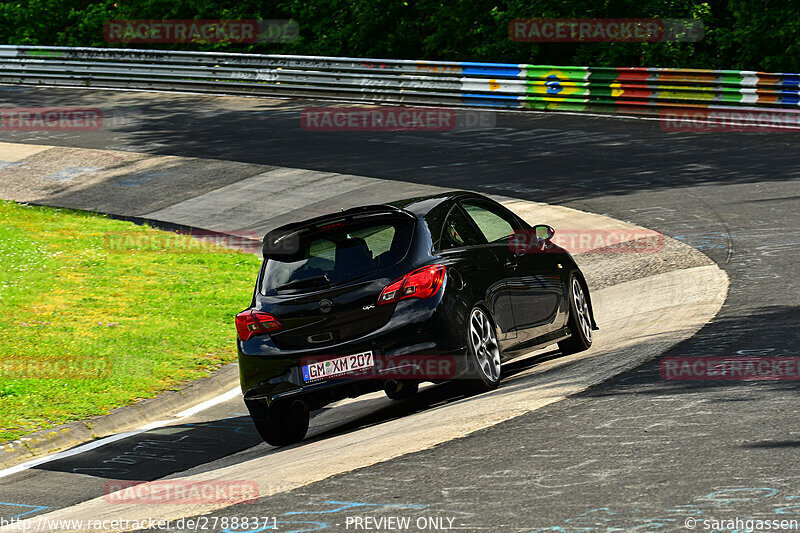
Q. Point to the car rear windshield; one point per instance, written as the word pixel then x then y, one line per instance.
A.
pixel 337 252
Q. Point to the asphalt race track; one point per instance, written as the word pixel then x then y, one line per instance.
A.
pixel 634 453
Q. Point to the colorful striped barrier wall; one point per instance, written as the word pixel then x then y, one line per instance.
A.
pixel 511 86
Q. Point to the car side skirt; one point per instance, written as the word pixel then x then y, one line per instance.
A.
pixel 538 342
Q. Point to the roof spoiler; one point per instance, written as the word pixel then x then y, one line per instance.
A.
pixel 285 240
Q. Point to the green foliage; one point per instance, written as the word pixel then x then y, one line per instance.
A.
pixel 131 310
pixel 740 34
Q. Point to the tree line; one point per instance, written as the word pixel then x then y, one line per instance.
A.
pixel 739 34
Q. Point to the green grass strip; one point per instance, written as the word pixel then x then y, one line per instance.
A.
pixel 96 313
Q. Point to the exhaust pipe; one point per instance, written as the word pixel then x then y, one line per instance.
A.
pixel 299 407
pixel 392 386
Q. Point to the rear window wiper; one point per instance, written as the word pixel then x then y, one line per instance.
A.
pixel 310 282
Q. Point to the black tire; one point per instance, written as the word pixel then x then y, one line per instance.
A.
pixel 279 427
pixel 580 321
pixel 407 390
pixel 483 353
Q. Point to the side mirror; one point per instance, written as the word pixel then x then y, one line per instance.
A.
pixel 544 232
pixel 533 240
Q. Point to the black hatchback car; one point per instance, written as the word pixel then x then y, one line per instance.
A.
pixel 387 296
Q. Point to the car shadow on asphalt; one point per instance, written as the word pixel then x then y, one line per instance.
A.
pixel 163 451
pixel 160 452
pixel 429 398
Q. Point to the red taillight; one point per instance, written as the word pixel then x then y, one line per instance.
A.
pixel 251 323
pixel 391 293
pixel 421 283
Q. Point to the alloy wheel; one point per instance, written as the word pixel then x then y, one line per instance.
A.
pixel 484 344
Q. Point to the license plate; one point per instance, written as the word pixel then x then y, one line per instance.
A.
pixel 337 367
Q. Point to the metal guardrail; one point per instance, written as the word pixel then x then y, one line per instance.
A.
pixel 541 87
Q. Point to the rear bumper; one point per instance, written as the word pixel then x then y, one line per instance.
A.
pixel 272 376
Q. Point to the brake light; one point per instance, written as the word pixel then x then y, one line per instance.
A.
pixel 421 283
pixel 332 226
pixel 251 323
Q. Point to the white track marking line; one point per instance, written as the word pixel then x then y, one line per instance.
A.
pixel 89 446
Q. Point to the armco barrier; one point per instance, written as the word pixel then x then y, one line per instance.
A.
pixel 610 90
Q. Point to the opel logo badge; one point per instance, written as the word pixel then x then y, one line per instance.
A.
pixel 325 305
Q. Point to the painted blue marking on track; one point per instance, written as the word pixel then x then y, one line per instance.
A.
pixel 321 525
pixel 740 494
pixel 349 505
pixel 33 508
pixel 138 179
pixel 69 173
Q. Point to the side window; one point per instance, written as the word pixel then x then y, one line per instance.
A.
pixel 458 231
pixel 493 223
